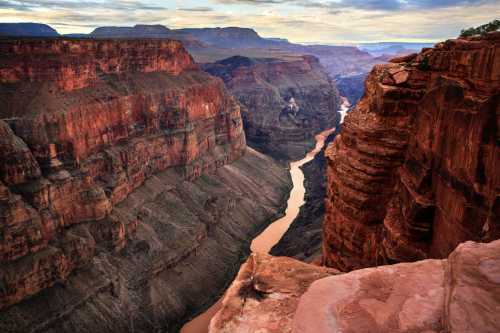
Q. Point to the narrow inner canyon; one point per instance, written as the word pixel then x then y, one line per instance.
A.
pixel 265 241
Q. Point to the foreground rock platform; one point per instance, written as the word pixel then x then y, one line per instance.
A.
pixel 460 294
pixel 264 295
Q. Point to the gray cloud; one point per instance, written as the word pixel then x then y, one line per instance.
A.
pixel 72 5
pixel 196 9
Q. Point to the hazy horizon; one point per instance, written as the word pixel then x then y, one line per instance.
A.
pixel 300 21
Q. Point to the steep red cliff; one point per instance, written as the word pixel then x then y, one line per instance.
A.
pixel 415 169
pixel 83 125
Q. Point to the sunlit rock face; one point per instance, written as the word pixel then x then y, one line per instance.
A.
pixel 265 294
pixel 84 125
pixel 426 296
pixel 284 101
pixel 415 170
pixel 279 294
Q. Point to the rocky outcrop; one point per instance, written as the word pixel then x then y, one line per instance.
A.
pixel 284 102
pixel 458 294
pixel 426 296
pixel 415 171
pixel 114 178
pixel 265 294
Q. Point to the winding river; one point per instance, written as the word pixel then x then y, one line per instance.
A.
pixel 272 234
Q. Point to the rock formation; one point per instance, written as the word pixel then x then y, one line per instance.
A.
pixel 115 190
pixel 426 296
pixel 265 295
pixel 415 171
pixel 269 295
pixel 284 102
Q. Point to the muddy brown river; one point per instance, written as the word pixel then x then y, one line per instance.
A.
pixel 272 234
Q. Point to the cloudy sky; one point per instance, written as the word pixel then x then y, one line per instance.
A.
pixel 325 21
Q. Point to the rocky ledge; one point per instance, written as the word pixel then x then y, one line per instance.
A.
pixel 125 181
pixel 432 296
pixel 415 170
pixel 284 101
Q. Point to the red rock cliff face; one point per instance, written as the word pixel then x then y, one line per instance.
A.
pixel 84 124
pixel 284 102
pixel 415 171
pixel 77 64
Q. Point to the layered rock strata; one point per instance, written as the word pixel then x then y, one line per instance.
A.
pixel 114 177
pixel 460 294
pixel 284 102
pixel 415 170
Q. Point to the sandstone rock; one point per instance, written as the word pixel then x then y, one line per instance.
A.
pixel 414 172
pixel 461 294
pixel 76 64
pixel 85 124
pixel 264 296
pixel 179 243
pixel 284 102
pixel 458 294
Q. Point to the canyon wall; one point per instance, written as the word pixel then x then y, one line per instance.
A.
pixel 415 171
pixel 116 191
pixel 284 101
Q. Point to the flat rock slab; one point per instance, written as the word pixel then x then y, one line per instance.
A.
pixel 264 296
pixel 460 294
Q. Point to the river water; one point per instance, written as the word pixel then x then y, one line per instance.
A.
pixel 272 235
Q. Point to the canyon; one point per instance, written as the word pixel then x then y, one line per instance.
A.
pixel 284 102
pixel 129 197
pixel 411 217
pixel 127 189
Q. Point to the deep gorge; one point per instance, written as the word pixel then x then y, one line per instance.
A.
pixel 135 182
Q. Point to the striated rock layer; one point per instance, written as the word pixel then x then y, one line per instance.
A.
pixel 415 170
pixel 114 174
pixel 460 294
pixel 284 102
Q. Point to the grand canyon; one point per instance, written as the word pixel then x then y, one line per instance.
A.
pixel 212 180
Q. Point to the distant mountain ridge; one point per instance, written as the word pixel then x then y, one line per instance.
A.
pixel 27 30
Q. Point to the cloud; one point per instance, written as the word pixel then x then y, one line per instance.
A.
pixel 383 5
pixel 196 9
pixel 73 4
pixel 320 21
